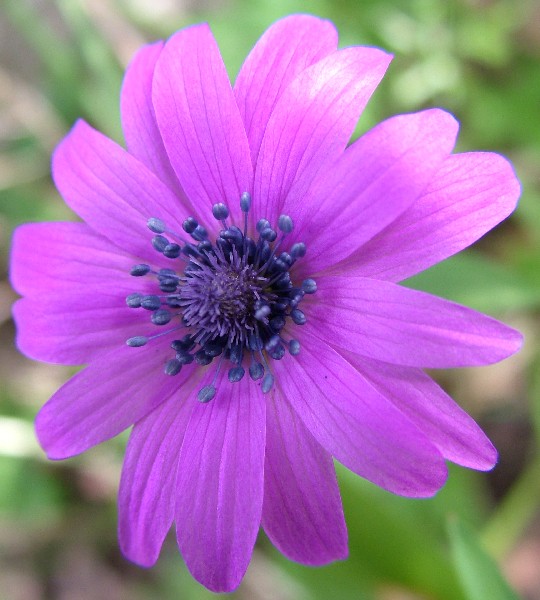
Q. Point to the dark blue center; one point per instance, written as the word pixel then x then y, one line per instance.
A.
pixel 232 298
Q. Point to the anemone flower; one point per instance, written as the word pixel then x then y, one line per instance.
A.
pixel 232 288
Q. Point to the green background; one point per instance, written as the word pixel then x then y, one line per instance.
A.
pixel 62 59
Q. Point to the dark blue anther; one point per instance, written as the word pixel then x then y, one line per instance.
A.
pixel 298 250
pixel 268 234
pixel 296 298
pixel 140 270
pixel 220 211
pixel 298 316
pixel 265 251
pixel 173 367
pixel 213 348
pixel 184 358
pixel 255 342
pixel 201 358
pixel 160 243
pixel 172 250
pixel 286 258
pixel 134 300
pixel 256 371
pixel 309 286
pixel 161 316
pixel 233 235
pixel 285 223
pixel 199 233
pixel 204 246
pixel 272 343
pixel 236 374
pixel 236 354
pixel 189 225
pixel 186 343
pixel 151 302
pixel 267 383
pixel 224 246
pixel 156 225
pixel 137 341
pixel 279 266
pixel 190 250
pixel 262 224
pixel 294 347
pixel 245 202
pixel 277 323
pixel 206 394
pixel 278 352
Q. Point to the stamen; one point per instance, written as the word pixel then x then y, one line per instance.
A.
pixel 233 295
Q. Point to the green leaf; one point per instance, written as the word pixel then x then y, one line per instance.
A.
pixel 479 574
pixel 479 283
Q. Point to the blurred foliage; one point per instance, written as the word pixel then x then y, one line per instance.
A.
pixel 64 59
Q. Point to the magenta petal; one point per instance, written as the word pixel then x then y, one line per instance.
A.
pixel 398 325
pixel 450 428
pixel 357 424
pixel 71 329
pixel 199 121
pixel 302 512
pixel 470 194
pixel 146 498
pixel 220 485
pixel 142 135
pixel 312 123
pixel 371 184
pixel 114 192
pixel 66 257
pixel 109 395
pixel 288 47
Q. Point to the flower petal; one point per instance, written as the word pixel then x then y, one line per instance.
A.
pixel 142 135
pixel 373 182
pixel 470 194
pixel 302 512
pixel 114 192
pixel 220 485
pixel 66 257
pixel 398 325
pixel 146 498
pixel 312 123
pixel 200 122
pixel 357 424
pixel 72 329
pixel 449 427
pixel 113 392
pixel 288 47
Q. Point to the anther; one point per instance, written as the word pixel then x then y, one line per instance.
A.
pixel 173 367
pixel 151 302
pixel 220 211
pixel 262 312
pixel 206 393
pixel 256 371
pixel 137 341
pixel 160 243
pixel 298 316
pixel 267 383
pixel 172 250
pixel 268 234
pixel 161 317
pixel 189 225
pixel 140 270
pixel 294 347
pixel 134 300
pixel 298 250
pixel 245 202
pixel 235 374
pixel 309 286
pixel 285 223
pixel 156 225
pixel 262 224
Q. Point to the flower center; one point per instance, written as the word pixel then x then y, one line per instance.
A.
pixel 232 299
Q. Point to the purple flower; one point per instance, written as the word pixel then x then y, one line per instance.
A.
pixel 249 258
